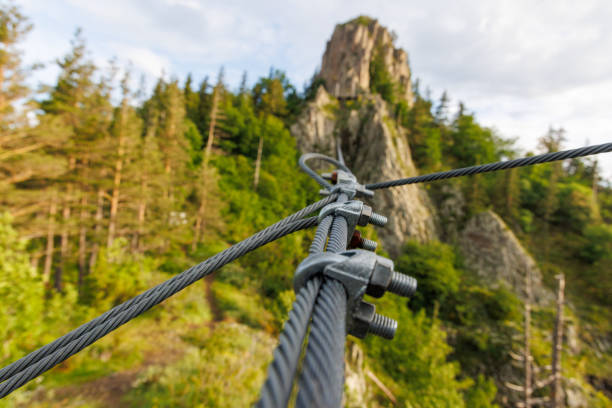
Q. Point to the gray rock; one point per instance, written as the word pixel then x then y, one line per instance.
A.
pixel 492 250
pixel 375 149
pixel 346 62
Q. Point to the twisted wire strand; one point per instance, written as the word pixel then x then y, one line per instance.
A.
pixel 314 174
pixel 485 168
pixel 338 235
pixel 322 381
pixel 320 238
pixel 20 371
pixel 281 372
pixel 212 262
pixel 158 294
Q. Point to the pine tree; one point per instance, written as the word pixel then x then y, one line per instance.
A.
pixel 206 174
pixel 83 111
pixel 269 99
pixel 551 142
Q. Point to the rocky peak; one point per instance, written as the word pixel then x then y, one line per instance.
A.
pixel 375 149
pixel 349 53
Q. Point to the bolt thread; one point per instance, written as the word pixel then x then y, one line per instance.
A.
pixel 377 219
pixel 368 244
pixel 402 285
pixel 383 326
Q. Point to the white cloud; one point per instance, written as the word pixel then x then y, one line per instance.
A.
pixel 520 65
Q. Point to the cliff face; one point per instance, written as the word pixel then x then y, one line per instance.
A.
pixel 493 251
pixel 374 147
pixel 346 62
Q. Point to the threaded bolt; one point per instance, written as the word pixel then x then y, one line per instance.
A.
pixel 383 326
pixel 368 244
pixel 402 285
pixel 378 219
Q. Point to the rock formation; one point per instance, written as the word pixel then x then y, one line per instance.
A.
pixel 493 251
pixel 374 147
pixel 346 62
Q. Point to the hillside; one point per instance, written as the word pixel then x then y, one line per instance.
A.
pixel 103 197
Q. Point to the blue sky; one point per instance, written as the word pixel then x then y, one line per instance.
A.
pixel 521 66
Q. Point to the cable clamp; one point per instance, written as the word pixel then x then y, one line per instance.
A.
pixel 346 183
pixel 360 272
pixel 355 212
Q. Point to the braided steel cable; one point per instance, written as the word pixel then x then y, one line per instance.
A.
pixel 157 295
pixel 320 238
pixel 485 168
pixel 322 381
pixel 314 174
pixel 52 354
pixel 339 151
pixel 281 372
pixel 214 262
pixel 338 235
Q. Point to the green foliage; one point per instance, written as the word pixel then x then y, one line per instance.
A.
pixel 381 81
pixel 453 335
pixel 471 143
pixel 22 293
pixel 361 20
pixel 434 268
pixel 575 206
pixel 481 318
pixel 481 394
pixel 416 359
pixel 241 305
pixel 119 274
pixel 213 375
pixel 598 245
pixel 424 134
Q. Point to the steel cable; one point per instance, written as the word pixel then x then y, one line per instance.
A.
pixel 485 168
pixel 281 372
pixel 322 381
pixel 34 356
pixel 154 296
pixel 314 174
pixel 320 238
pixel 157 295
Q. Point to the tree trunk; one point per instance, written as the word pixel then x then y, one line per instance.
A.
pixel 558 346
pixel 258 162
pixel 83 241
pixel 50 240
pixel 118 173
pixel 142 207
pixel 199 223
pixel 65 235
pixel 97 230
pixel 527 352
pixel 596 212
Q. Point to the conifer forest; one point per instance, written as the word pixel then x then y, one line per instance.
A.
pixel 110 185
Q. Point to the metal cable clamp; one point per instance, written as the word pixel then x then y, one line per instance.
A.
pixel 345 183
pixel 355 212
pixel 360 272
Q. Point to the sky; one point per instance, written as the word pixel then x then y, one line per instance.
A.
pixel 520 66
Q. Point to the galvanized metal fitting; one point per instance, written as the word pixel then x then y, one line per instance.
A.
pixel 357 241
pixel 366 320
pixel 346 183
pixel 360 272
pixel 384 279
pixel 356 213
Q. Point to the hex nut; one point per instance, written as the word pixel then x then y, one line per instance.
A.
pixel 364 218
pixel 380 280
pixel 362 317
